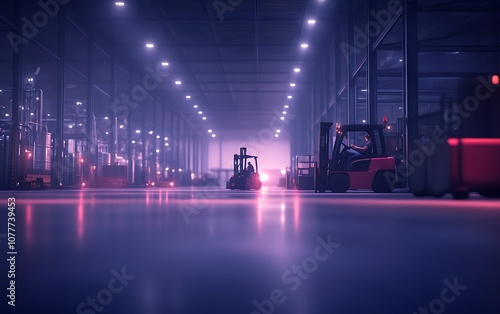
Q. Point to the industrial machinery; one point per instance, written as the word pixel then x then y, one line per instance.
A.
pixel 302 176
pixel 458 147
pixel 369 171
pixel 34 149
pixel 241 178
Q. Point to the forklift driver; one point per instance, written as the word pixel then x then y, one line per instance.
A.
pixel 250 169
pixel 359 152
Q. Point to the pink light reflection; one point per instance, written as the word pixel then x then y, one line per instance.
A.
pixel 259 216
pixel 283 214
pixel 29 220
pixel 81 203
pixel 296 213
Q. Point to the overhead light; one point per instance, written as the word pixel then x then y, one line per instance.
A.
pixel 311 22
pixel 166 138
pixel 276 135
pixel 164 64
pixel 213 135
pixel 133 142
pixel 120 4
pixel 292 84
pixel 400 60
pixel 282 118
pixel 70 126
pixel 200 112
pixel 107 133
pixel 289 96
pixel 106 118
pixel 304 45
pixel 204 118
pixel 78 103
pixel 195 106
pixel 166 144
pixel 151 132
pixel 137 131
pixel 286 106
pixel 157 150
pixel 364 90
pixel 364 121
pixel 178 82
pixel 157 136
pixel 188 97
pixel 210 131
pixel 296 70
pixel 7 115
pixel 284 112
pixel 278 131
pixel 150 45
pixel 48 114
pixel 121 126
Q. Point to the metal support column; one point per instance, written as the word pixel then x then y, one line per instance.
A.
pixel 351 64
pixel 58 168
pixel 113 143
pixel 371 76
pixel 410 71
pixel 17 96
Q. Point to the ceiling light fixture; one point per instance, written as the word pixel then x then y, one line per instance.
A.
pixel 292 84
pixel 120 4
pixel 311 22
pixel 304 45
pixel 164 64
pixel 296 70
pixel 178 82
pixel 149 45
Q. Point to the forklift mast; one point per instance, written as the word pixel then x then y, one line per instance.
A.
pixel 324 147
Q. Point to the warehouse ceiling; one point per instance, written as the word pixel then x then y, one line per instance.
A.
pixel 235 58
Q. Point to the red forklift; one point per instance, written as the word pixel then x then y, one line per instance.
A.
pixel 369 171
pixel 242 179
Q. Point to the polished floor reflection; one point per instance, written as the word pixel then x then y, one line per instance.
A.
pixel 199 250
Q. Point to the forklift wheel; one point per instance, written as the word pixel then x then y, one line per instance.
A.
pixel 460 195
pixel 258 185
pixel 339 183
pixel 380 183
pixel 490 193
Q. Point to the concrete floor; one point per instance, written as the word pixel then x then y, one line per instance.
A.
pixel 274 251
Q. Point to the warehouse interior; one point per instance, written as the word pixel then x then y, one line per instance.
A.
pixel 121 124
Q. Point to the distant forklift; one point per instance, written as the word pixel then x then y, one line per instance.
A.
pixel 369 171
pixel 242 179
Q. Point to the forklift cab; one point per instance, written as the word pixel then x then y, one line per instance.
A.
pixel 354 134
